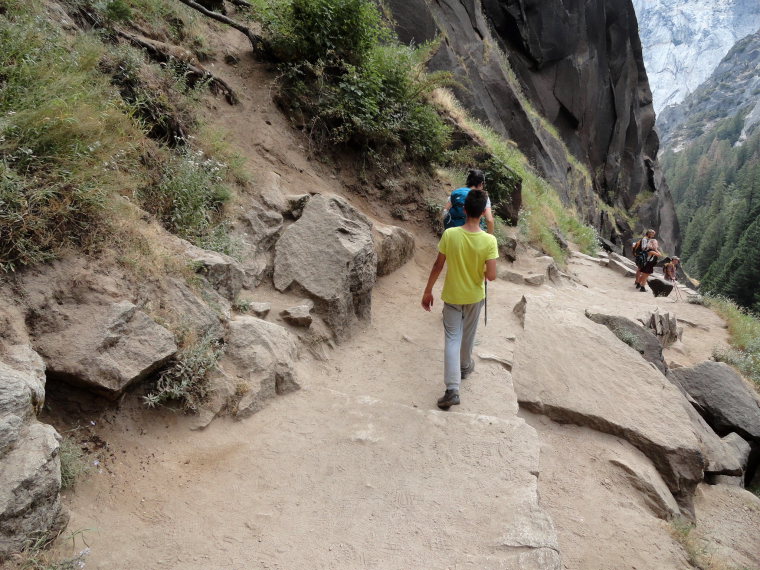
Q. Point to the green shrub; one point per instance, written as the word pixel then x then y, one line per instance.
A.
pixel 118 11
pixel 352 82
pixel 330 30
pixel 744 331
pixel 186 380
pixel 189 197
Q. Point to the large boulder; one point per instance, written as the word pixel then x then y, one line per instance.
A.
pixel 635 336
pixel 328 255
pixel 22 393
pixel 261 356
pixel 564 361
pixel 723 398
pixel 394 247
pixel 103 347
pixel 30 477
pixel 30 483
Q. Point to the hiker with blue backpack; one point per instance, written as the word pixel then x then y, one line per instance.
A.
pixel 454 214
pixel 646 252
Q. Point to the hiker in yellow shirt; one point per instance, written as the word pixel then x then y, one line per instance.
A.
pixel 471 254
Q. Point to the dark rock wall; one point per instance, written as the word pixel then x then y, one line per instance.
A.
pixel 579 63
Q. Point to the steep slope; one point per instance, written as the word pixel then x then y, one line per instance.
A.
pixel 731 91
pixel 683 41
pixel 579 65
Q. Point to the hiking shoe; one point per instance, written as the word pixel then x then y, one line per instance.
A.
pixel 450 398
pixel 643 290
pixel 467 370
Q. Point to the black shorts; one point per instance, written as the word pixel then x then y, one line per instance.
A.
pixel 648 267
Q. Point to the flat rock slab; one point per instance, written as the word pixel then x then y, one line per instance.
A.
pixel 621 268
pixel 351 482
pixel 596 260
pixel 564 361
pixel 727 520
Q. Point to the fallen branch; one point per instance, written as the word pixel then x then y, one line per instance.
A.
pixel 163 53
pixel 257 43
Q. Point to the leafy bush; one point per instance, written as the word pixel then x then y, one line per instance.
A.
pixel 353 82
pixel 186 380
pixel 329 30
pixel 744 331
pixel 189 197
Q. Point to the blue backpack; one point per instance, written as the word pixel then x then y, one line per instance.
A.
pixel 456 216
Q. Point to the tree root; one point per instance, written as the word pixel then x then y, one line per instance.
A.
pixel 163 53
pixel 257 42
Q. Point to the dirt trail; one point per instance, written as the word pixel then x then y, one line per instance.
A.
pixel 359 469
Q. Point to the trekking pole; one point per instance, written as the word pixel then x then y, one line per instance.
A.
pixel 678 292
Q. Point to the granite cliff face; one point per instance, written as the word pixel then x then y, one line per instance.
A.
pixel 580 66
pixel 684 41
pixel 734 87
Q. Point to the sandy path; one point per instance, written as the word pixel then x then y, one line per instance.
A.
pixel 358 469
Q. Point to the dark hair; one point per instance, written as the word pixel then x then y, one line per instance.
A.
pixel 475 203
pixel 475 178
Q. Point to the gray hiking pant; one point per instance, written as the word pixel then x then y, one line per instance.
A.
pixel 460 322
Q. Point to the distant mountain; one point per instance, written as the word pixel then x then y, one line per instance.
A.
pixel 711 160
pixel 732 91
pixel 684 40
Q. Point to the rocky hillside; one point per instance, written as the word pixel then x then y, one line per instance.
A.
pixel 731 92
pixel 683 41
pixel 549 78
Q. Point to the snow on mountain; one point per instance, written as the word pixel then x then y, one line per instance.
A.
pixel 684 40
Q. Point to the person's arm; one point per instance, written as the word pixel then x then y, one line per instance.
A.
pixel 446 208
pixel 427 296
pixel 489 221
pixel 491 269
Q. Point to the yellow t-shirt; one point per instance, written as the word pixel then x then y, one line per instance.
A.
pixel 466 255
